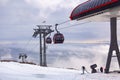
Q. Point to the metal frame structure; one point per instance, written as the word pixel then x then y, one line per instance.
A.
pixel 113 44
pixel 92 8
pixel 95 7
pixel 42 31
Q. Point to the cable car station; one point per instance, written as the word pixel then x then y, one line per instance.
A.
pixel 109 9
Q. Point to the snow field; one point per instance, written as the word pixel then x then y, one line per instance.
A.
pixel 18 71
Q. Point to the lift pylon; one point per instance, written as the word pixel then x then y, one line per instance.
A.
pixel 42 31
pixel 113 44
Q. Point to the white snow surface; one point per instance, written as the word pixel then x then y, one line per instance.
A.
pixel 18 71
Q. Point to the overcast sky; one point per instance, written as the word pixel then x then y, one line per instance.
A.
pixel 19 17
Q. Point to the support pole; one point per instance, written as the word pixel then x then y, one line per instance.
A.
pixel 44 54
pixel 113 44
pixel 40 37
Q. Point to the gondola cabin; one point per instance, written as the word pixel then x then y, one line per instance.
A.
pixel 95 7
pixel 48 40
pixel 58 38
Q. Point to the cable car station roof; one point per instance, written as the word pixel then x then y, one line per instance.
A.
pixel 93 7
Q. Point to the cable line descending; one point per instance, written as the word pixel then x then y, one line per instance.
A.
pixel 64 22
pixel 75 25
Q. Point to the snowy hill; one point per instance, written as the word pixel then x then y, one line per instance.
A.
pixel 17 71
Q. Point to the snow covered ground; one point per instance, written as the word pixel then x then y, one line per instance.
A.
pixel 17 71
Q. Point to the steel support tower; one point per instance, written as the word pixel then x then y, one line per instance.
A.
pixel 42 31
pixel 113 44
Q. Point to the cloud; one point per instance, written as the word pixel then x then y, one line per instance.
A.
pixel 77 55
pixel 68 55
pixel 6 56
pixel 54 4
pixel 3 2
pixel 45 7
pixel 21 16
pixel 48 7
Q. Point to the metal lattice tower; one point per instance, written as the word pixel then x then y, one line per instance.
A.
pixel 42 31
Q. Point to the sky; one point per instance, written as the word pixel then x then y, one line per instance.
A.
pixel 19 17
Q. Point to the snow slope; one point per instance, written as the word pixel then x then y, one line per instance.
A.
pixel 17 71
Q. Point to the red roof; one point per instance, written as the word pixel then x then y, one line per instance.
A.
pixel 92 6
